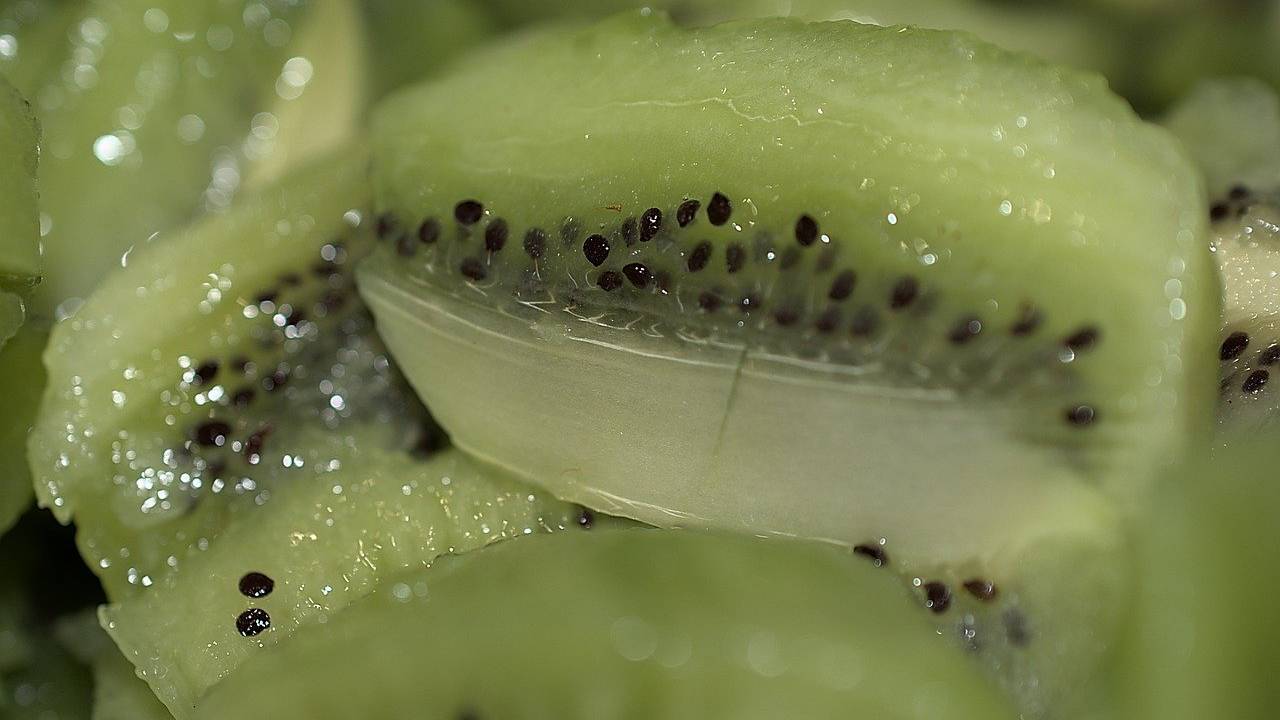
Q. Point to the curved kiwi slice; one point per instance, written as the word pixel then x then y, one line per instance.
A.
pixel 21 380
pixel 620 624
pixel 238 455
pixel 165 100
pixel 1204 643
pixel 1232 128
pixel 19 228
pixel 118 693
pixel 774 290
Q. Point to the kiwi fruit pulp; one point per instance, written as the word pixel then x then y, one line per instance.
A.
pixel 19 232
pixel 1232 129
pixel 621 624
pixel 246 461
pixel 749 292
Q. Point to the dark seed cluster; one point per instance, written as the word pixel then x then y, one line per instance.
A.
pixel 1237 202
pixel 615 254
pixel 1253 378
pixel 254 620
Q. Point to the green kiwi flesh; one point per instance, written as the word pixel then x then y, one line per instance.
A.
pixel 162 100
pixel 118 693
pixel 1028 326
pixel 21 381
pixel 1203 644
pixel 221 408
pixel 621 624
pixel 19 228
pixel 1232 129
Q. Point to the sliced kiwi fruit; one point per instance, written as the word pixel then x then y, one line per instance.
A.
pixel 1232 129
pixel 21 380
pixel 19 229
pixel 118 693
pixel 621 624
pixel 1203 644
pixel 163 100
pixel 755 291
pixel 245 461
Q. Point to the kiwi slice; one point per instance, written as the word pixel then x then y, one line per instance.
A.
pixel 238 454
pixel 19 230
pixel 620 624
pixel 1232 128
pixel 171 101
pixel 21 380
pixel 754 292
pixel 1203 644
pixel 118 693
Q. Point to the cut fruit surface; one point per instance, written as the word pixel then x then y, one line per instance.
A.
pixel 765 276
pixel 621 624
pixel 1204 644
pixel 21 380
pixel 19 227
pixel 1232 128
pixel 118 693
pixel 221 409
pixel 169 101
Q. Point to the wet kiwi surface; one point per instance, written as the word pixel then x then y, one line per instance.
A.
pixel 21 380
pixel 1232 128
pixel 1203 644
pixel 622 624
pixel 118 693
pixel 19 232
pixel 245 460
pixel 169 101
pixel 750 279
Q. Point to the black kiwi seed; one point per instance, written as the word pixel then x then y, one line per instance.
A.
pixel 1081 415
pixel 786 317
pixel 904 292
pixel 255 585
pixel 242 398
pixel 535 243
pixel 663 281
pixel 1255 382
pixel 212 433
pixel 699 257
pixel 1233 346
pixel 240 364
pixel 984 590
pixel 806 231
pixel 254 443
pixel 1082 339
pixel 495 236
pixel 205 372
pixel 586 518
pixel 865 322
pixel 650 224
pixel 842 286
pixel 253 622
pixel 828 321
pixel 473 269
pixel 937 596
pixel 468 212
pixel 735 257
pixel 872 552
pixel 386 223
pixel 709 301
pixel 276 380
pixel 1218 211
pixel 687 211
pixel 429 231
pixel 638 274
pixel 405 246
pixel 719 209
pixel 1238 192
pixel 1027 322
pixel 596 249
pixel 965 330
pixel 629 231
pixel 609 280
pixel 1270 356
